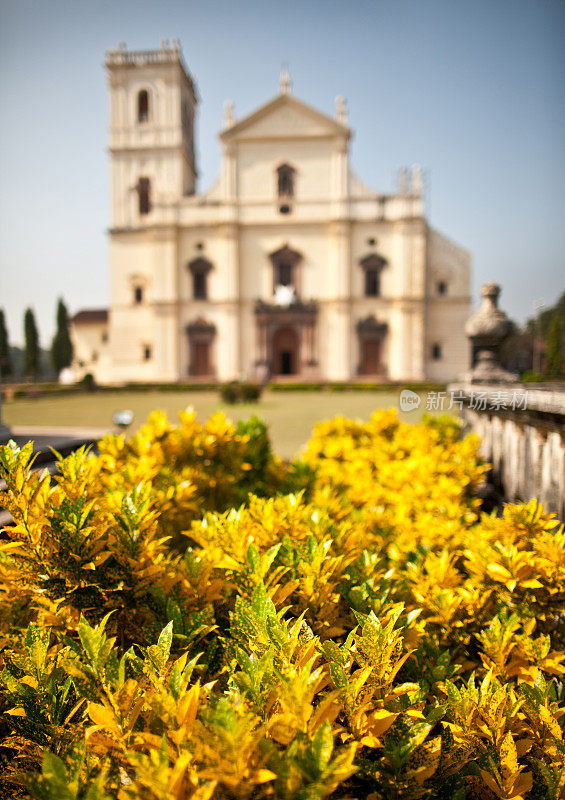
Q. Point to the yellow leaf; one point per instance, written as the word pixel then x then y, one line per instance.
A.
pixel 102 716
pixel 508 756
pixel 188 706
pixel 499 573
pixel 491 783
pixel 523 746
pixel 522 785
pixel 371 741
pixel 264 775
pixel 414 713
pixel 380 721
pixel 430 758
pixel 548 719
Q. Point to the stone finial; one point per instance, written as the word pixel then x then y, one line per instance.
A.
pixel 164 44
pixel 403 180
pixel 416 182
pixel 229 114
pixel 487 328
pixel 341 109
pixel 285 84
pixel 175 44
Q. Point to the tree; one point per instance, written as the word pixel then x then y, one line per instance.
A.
pixel 6 367
pixel 554 348
pixel 61 347
pixel 32 366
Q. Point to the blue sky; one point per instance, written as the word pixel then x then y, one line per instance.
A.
pixel 472 91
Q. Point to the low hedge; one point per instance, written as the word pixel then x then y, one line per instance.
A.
pixel 240 392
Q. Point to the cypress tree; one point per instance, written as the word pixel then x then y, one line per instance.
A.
pixel 6 367
pixel 61 347
pixel 554 348
pixel 32 366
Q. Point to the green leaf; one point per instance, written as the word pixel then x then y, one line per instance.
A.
pixel 55 776
pixel 453 692
pixel 93 640
pixel 174 614
pixel 322 746
pixel 338 675
pixel 36 644
pixel 259 600
pixel 252 557
pixel 165 640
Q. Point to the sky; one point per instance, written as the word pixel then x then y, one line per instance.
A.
pixel 472 91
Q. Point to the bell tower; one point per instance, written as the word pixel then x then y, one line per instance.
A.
pixel 151 134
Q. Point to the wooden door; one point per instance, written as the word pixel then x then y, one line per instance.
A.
pixel 201 358
pixel 371 357
pixel 285 352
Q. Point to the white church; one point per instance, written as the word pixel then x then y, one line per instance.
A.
pixel 288 266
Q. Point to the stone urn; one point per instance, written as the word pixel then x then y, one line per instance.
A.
pixel 487 328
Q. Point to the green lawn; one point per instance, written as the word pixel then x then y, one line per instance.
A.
pixel 290 415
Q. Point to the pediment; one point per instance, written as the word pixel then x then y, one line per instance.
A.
pixel 283 117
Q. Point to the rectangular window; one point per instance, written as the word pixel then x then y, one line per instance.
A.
pixel 199 286
pixel 372 283
pixel 138 295
pixel 284 275
pixel 147 352
pixel 436 352
pixel 143 188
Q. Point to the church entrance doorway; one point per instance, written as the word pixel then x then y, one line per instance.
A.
pixel 285 352
pixel 200 338
pixel 372 335
pixel 201 365
pixel 371 357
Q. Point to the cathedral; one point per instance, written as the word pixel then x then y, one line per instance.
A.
pixel 288 267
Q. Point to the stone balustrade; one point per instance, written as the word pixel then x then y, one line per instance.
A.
pixel 522 430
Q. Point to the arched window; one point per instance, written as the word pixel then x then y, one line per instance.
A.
pixel 143 106
pixel 285 181
pixel 144 192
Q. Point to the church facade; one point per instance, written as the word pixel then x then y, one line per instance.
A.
pixel 288 267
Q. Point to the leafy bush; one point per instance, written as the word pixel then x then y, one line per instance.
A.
pixel 240 392
pixel 531 377
pixel 369 636
pixel 87 382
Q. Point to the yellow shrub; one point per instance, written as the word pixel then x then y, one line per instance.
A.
pixel 184 616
